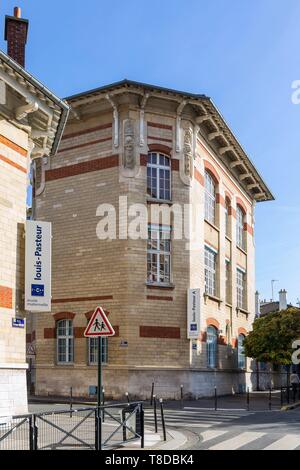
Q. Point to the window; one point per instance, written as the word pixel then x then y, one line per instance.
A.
pixel 228 281
pixel 240 233
pixel 159 176
pixel 93 350
pixel 65 341
pixel 241 353
pixel 212 346
pixel 227 218
pixel 159 254
pixel 240 288
pixel 210 271
pixel 210 198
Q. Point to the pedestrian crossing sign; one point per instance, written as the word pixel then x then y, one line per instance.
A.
pixel 99 325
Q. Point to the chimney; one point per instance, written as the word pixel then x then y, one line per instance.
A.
pixel 282 299
pixel 257 304
pixel 15 34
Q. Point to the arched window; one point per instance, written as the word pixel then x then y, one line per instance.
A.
pixel 159 176
pixel 240 232
pixel 210 198
pixel 65 341
pixel 241 353
pixel 212 346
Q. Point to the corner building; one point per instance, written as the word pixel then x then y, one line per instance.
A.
pixel 152 145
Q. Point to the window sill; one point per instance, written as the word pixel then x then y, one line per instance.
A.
pixel 65 364
pixel 212 225
pixel 228 304
pixel 241 249
pixel 153 200
pixel 212 297
pixel 157 285
pixel 228 238
pixel 242 310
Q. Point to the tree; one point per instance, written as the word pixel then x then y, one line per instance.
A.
pixel 272 337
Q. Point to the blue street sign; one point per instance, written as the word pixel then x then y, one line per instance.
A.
pixel 18 323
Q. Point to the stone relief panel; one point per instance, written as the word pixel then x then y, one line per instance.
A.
pixel 129 158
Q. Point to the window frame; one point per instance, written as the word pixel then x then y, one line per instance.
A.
pixel 241 288
pixel 241 352
pixel 68 339
pixel 240 229
pixel 210 198
pixel 212 347
pixel 104 352
pixel 156 168
pixel 157 252
pixel 210 272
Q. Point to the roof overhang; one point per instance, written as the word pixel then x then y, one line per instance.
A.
pixel 230 152
pixel 48 113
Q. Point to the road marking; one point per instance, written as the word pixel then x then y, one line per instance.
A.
pixel 238 441
pixel 213 409
pixel 208 435
pixel 288 442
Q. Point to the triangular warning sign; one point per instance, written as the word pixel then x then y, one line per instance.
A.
pixel 99 325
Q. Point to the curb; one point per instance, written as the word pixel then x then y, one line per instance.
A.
pixel 290 407
pixel 179 438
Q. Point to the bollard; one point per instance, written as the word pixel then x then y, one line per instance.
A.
pixel 216 399
pixel 163 419
pixel 270 398
pixel 281 396
pixel 155 413
pixel 181 396
pixel 294 392
pixel 288 394
pixel 248 399
pixel 71 401
pixel 152 391
pixel 127 395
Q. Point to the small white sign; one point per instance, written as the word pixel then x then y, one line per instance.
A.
pixel 193 313
pixel 38 266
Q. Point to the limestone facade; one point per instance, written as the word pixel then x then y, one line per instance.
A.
pixel 103 156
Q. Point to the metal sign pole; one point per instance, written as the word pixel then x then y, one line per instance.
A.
pixel 99 392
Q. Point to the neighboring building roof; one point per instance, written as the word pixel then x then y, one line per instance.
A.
pixel 22 81
pixel 207 111
pixel 270 307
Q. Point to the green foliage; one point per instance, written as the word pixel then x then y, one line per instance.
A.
pixel 272 337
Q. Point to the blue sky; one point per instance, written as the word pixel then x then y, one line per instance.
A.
pixel 244 54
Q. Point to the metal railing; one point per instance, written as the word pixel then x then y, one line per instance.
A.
pixel 80 428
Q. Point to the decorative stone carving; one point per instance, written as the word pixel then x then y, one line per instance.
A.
pixel 188 152
pixel 129 154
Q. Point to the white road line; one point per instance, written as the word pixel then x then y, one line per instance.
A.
pixel 238 441
pixel 288 442
pixel 208 435
pixel 212 409
pixel 187 425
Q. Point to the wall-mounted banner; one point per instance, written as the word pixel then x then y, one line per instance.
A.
pixel 38 266
pixel 193 313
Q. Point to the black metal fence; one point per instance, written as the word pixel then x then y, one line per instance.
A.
pixel 110 426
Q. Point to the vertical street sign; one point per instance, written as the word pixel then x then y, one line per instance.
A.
pixel 193 313
pixel 99 326
pixel 38 266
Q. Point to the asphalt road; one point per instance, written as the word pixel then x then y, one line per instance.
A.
pixel 235 429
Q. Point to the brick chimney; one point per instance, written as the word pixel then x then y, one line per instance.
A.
pixel 16 30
